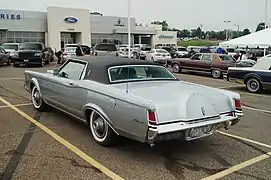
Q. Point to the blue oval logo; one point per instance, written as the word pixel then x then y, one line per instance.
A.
pixel 71 19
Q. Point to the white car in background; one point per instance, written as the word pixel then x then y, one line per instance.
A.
pixel 182 51
pixel 123 52
pixel 160 56
pixel 11 48
pixel 68 53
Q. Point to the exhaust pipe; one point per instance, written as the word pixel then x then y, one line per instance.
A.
pixel 227 124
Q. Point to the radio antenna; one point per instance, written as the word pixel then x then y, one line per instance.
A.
pixel 129 44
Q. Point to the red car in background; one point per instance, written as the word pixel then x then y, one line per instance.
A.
pixel 213 63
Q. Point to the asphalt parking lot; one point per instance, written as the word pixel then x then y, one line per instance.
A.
pixel 49 145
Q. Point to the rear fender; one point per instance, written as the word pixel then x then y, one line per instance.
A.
pixel 252 75
pixel 35 81
pixel 96 108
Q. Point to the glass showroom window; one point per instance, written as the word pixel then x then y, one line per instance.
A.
pixel 20 37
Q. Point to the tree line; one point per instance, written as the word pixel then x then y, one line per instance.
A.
pixel 215 35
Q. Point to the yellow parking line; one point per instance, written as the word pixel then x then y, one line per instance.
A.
pixel 17 105
pixel 245 139
pixel 238 167
pixel 229 86
pixel 64 142
pixel 11 78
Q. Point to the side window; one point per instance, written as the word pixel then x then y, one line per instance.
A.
pixel 216 59
pixel 72 70
pixel 196 57
pixel 206 57
pixel 2 50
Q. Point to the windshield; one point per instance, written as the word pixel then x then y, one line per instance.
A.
pixel 30 46
pixel 106 47
pixel 10 46
pixel 139 73
pixel 182 49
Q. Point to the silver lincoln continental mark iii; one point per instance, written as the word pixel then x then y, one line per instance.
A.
pixel 133 98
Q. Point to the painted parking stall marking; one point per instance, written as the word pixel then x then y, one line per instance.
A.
pixel 11 78
pixel 245 139
pixel 17 105
pixel 238 167
pixel 64 142
pixel 256 109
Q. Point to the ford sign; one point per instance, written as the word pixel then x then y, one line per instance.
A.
pixel 71 19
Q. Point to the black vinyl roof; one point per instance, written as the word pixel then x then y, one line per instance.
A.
pixel 97 69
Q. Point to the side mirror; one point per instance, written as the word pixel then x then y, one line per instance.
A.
pixel 55 72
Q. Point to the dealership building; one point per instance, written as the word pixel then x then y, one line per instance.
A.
pixel 59 26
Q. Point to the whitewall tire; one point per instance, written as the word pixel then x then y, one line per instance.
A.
pixel 176 68
pixel 37 99
pixel 253 85
pixel 100 130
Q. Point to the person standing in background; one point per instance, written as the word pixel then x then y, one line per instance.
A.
pixel 79 51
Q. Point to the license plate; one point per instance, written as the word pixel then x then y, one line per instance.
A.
pixel 26 60
pixel 164 55
pixel 200 131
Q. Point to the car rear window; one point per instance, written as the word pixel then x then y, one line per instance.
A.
pixel 145 49
pixel 161 51
pixel 106 47
pixel 10 46
pixel 205 50
pixel 182 49
pixel 139 73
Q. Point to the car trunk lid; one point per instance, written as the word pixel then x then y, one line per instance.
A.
pixel 181 101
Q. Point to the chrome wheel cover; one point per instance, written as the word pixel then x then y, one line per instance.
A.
pixel 176 68
pixel 36 98
pixel 99 126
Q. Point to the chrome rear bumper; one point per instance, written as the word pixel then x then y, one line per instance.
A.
pixel 182 130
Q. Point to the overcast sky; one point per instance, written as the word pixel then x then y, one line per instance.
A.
pixel 178 13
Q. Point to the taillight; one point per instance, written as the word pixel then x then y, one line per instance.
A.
pixel 237 103
pixel 152 117
pixel 157 54
pixel 65 54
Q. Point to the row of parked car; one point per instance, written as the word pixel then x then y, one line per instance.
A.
pixel 27 53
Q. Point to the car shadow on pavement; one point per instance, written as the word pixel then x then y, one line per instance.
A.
pixel 176 156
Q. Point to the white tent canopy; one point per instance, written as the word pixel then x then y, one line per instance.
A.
pixel 261 39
